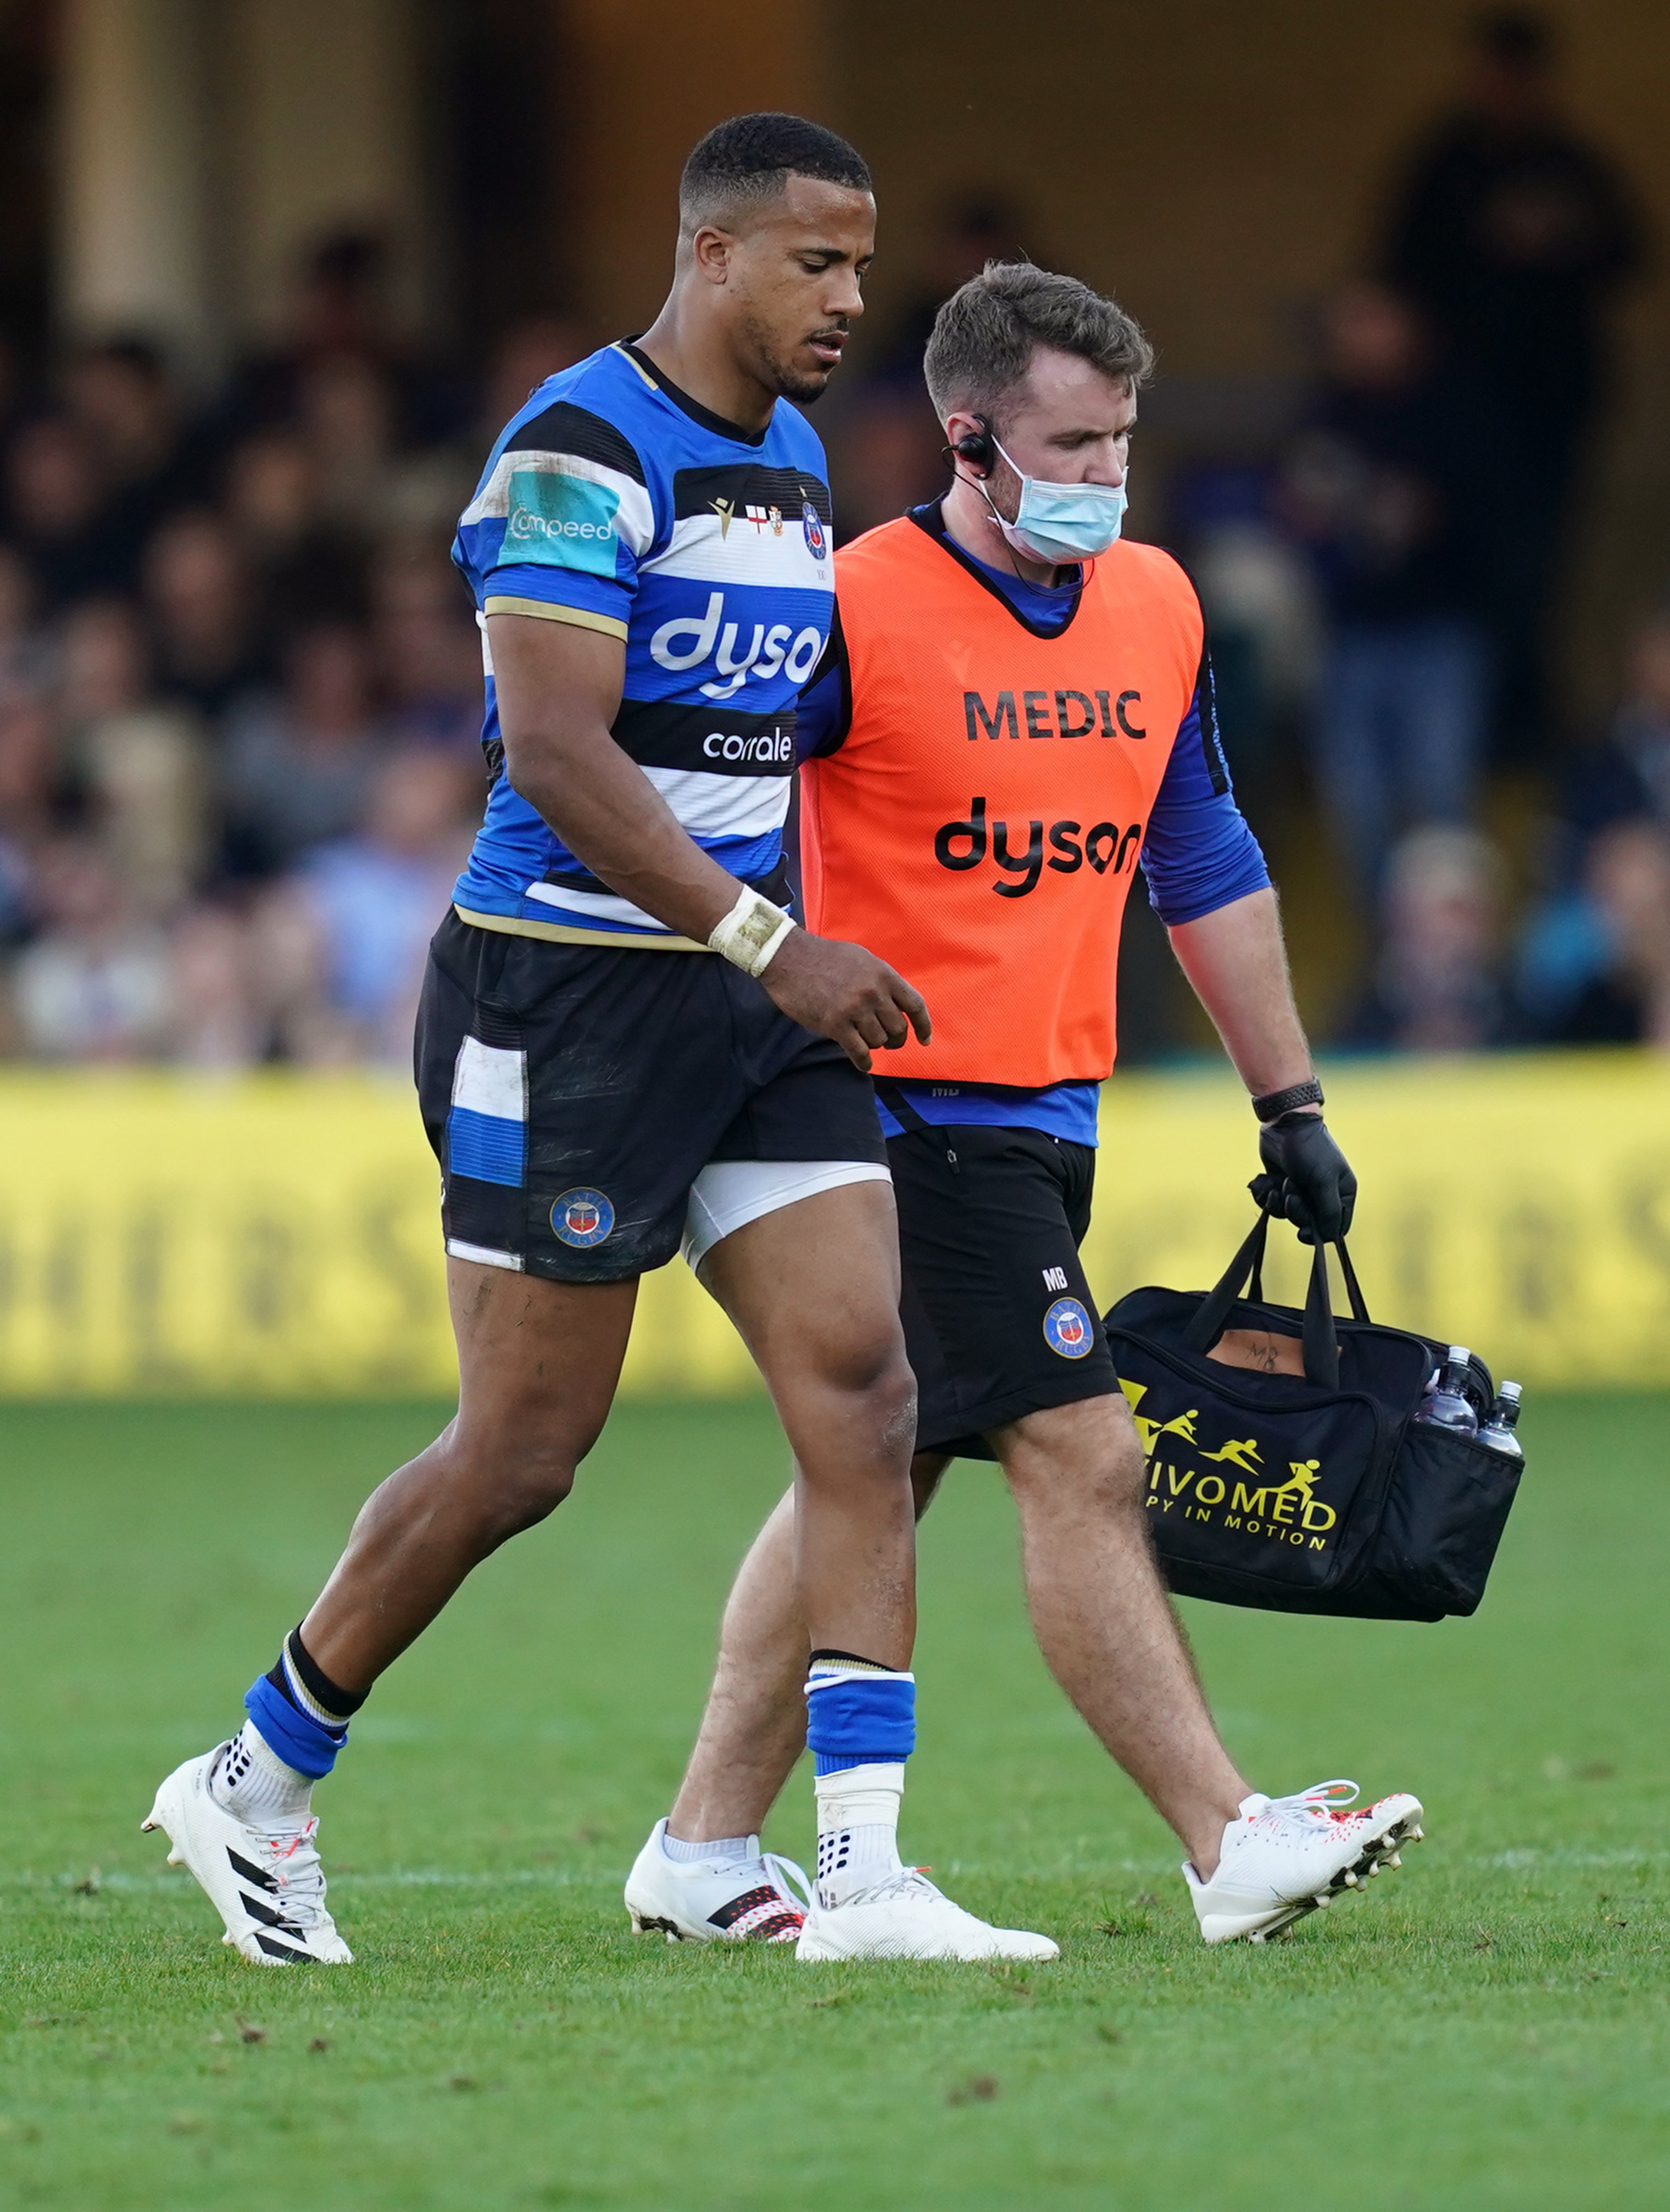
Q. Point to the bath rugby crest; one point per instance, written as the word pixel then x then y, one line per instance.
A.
pixel 582 1218
pixel 1067 1329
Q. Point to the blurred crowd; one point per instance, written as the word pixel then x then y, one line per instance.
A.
pixel 1398 571
pixel 240 687
pixel 1385 558
pixel 240 684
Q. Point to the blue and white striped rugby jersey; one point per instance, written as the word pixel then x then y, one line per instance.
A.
pixel 615 501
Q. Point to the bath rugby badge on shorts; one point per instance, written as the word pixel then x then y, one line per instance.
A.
pixel 812 523
pixel 1067 1328
pixel 582 1218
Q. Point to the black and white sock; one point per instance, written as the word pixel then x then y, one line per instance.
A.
pixel 298 1723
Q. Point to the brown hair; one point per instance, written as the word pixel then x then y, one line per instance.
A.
pixel 986 334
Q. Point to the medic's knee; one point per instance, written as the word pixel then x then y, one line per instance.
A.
pixel 1097 1468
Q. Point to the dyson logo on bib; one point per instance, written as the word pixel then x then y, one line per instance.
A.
pixel 1104 847
pixel 689 639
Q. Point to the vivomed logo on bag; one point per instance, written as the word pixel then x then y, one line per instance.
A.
pixel 687 640
pixel 1288 1512
pixel 1106 847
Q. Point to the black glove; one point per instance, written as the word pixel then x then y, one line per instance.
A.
pixel 1308 1179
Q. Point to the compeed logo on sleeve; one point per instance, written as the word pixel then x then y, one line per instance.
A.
pixel 560 521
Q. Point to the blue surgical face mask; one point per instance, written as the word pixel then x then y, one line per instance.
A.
pixel 1062 522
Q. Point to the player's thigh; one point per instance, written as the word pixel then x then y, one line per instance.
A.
pixel 538 1361
pixel 813 1289
pixel 791 1224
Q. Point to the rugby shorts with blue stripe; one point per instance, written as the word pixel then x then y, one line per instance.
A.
pixel 573 1094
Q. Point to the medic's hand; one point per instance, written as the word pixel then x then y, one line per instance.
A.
pixel 845 994
pixel 1308 1179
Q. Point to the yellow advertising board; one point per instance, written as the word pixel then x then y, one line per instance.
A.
pixel 1520 1204
pixel 277 1235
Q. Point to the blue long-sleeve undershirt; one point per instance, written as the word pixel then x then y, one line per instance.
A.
pixel 1199 854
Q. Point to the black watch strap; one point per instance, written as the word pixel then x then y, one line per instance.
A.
pixel 1275 1103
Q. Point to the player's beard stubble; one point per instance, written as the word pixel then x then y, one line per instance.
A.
pixel 779 373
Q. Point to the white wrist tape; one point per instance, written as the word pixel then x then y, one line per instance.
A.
pixel 750 934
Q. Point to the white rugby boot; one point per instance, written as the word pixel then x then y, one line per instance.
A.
pixel 903 1916
pixel 760 1899
pixel 1285 1856
pixel 263 1878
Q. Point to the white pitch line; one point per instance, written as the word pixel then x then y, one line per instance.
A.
pixel 396 1878
pixel 1512 1861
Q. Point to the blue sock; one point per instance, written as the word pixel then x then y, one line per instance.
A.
pixel 862 1727
pixel 858 1713
pixel 299 1712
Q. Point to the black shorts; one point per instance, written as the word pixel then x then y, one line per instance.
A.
pixel 999 1318
pixel 573 1097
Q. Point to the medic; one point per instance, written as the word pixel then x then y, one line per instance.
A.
pixel 972 814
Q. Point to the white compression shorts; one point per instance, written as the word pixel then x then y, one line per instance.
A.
pixel 728 1193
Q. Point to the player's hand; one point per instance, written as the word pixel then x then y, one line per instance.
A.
pixel 1307 1180
pixel 845 994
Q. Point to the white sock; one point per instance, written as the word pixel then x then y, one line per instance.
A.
pixel 739 1848
pixel 253 1782
pixel 858 1829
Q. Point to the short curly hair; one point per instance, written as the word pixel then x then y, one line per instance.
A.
pixel 986 334
pixel 752 157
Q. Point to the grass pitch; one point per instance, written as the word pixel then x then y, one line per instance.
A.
pixel 1488 2028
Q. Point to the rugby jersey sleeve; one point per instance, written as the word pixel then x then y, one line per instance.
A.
pixel 1199 853
pixel 824 713
pixel 561 522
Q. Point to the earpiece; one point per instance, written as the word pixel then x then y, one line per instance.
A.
pixel 979 447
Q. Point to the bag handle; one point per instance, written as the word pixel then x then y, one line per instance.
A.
pixel 1247 1267
pixel 1245 1276
pixel 1316 1336
pixel 1353 1288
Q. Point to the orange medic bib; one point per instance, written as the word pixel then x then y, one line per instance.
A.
pixel 980 827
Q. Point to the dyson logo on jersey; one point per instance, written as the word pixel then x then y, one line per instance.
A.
pixel 1106 847
pixel 689 639
pixel 769 748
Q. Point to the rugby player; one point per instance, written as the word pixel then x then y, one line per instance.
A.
pixel 1016 705
pixel 624 1038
